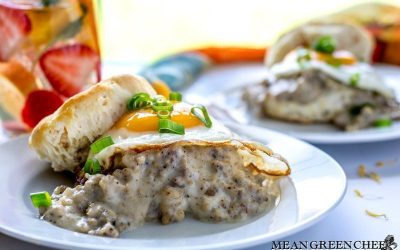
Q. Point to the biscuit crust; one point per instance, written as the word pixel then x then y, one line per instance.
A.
pixel 64 137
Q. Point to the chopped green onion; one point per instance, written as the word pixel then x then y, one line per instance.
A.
pixel 168 107
pixel 325 44
pixel 175 96
pixel 303 56
pixel 101 144
pixel 161 103
pixel 141 95
pixel 41 199
pixel 160 100
pixel 168 126
pixel 92 166
pixel 164 114
pixel 354 79
pixel 381 123
pixel 139 100
pixel 140 104
pixel 201 112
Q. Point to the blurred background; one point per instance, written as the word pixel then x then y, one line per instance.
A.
pixel 144 30
pixel 53 49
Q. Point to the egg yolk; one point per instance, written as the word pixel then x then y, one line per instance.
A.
pixel 338 57
pixel 161 88
pixel 147 120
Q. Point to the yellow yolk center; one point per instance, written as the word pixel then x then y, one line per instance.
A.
pixel 161 88
pixel 338 57
pixel 147 120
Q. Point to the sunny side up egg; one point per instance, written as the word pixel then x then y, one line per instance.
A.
pixel 140 127
pixel 143 120
pixel 345 69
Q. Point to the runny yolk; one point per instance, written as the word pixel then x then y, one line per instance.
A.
pixel 161 88
pixel 147 120
pixel 339 57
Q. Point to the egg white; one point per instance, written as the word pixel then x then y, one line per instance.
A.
pixel 369 79
pixel 123 136
pixel 125 140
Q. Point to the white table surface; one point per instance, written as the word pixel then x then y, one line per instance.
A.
pixel 348 221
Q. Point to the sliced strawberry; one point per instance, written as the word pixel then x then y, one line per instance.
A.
pixel 68 68
pixel 39 104
pixel 14 26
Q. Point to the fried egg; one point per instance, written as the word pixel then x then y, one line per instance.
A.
pixel 141 126
pixel 139 129
pixel 341 65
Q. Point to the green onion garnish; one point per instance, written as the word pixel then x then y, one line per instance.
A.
pixel 303 56
pixel 201 112
pixel 139 100
pixel 325 44
pixel 41 199
pixel 161 103
pixel 92 166
pixel 381 123
pixel 168 126
pixel 354 79
pixel 164 114
pixel 167 106
pixel 175 96
pixel 160 100
pixel 101 144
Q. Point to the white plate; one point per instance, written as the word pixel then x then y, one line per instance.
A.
pixel 226 84
pixel 316 185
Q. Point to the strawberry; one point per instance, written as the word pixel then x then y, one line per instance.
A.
pixel 39 104
pixel 14 27
pixel 68 68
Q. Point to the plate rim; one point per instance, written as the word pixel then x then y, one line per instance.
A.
pixel 333 140
pixel 249 242
pixel 342 137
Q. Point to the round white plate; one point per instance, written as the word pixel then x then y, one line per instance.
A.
pixel 316 186
pixel 226 104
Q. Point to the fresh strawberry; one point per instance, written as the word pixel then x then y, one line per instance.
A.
pixel 39 104
pixel 68 68
pixel 14 27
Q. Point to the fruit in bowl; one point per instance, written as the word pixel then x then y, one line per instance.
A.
pixel 49 52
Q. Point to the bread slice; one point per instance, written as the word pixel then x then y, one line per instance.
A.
pixel 348 37
pixel 64 137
